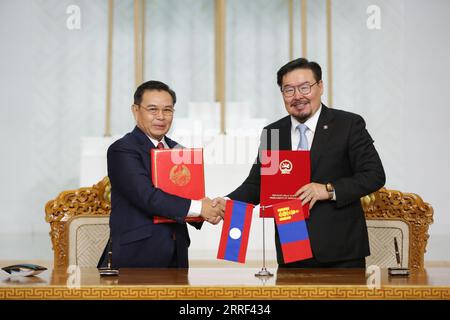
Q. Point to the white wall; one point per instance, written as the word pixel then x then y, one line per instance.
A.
pixel 425 114
pixel 398 78
pixel 52 88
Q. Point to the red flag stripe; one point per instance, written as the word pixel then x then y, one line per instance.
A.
pixel 225 230
pixel 245 233
pixel 295 251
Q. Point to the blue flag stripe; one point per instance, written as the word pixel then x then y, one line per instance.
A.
pixel 237 221
pixel 294 231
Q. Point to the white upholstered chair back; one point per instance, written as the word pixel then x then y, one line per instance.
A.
pixel 88 236
pixel 381 239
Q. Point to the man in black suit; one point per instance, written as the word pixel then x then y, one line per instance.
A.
pixel 344 167
pixel 136 241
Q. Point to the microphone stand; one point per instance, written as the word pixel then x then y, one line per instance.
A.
pixel 264 273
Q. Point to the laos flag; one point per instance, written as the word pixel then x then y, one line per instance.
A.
pixel 292 230
pixel 235 231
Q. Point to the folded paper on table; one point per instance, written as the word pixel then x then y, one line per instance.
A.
pixel 24 270
pixel 179 172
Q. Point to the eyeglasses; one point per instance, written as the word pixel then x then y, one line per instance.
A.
pixel 304 88
pixel 167 111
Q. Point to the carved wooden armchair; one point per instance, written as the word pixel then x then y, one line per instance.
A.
pixel 389 214
pixel 79 221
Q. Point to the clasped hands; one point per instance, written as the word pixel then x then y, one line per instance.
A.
pixel 213 210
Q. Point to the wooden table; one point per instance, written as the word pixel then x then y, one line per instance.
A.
pixel 223 284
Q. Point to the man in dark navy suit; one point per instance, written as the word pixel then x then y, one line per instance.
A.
pixel 345 166
pixel 137 242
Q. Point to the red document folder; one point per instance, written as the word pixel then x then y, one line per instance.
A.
pixel 283 172
pixel 179 172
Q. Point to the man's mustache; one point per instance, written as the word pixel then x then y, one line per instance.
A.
pixel 300 101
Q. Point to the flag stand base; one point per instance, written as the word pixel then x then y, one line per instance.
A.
pixel 263 273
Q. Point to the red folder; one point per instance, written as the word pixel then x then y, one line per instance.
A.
pixel 179 172
pixel 283 172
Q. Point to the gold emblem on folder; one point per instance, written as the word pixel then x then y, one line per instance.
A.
pixel 180 175
pixel 285 166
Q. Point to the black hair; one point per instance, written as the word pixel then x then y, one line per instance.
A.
pixel 300 63
pixel 153 85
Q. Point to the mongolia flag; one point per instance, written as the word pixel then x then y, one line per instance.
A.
pixel 235 231
pixel 292 231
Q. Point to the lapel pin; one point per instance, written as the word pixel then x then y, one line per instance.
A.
pixel 325 127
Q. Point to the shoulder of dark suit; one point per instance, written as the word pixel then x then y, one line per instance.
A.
pixel 342 114
pixel 127 140
pixel 335 113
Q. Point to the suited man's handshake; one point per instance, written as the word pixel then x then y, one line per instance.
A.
pixel 213 210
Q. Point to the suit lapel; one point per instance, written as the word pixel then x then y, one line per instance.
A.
pixel 145 143
pixel 321 136
pixel 285 142
pixel 172 144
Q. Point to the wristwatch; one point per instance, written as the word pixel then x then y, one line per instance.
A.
pixel 330 190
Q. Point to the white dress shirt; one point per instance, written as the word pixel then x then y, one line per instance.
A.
pixel 311 124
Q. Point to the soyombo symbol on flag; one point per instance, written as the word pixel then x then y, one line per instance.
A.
pixel 292 231
pixel 235 231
